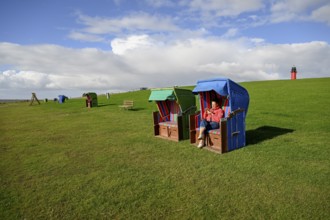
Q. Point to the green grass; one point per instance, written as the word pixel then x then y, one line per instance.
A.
pixel 64 161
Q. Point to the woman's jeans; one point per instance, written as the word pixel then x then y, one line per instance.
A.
pixel 209 125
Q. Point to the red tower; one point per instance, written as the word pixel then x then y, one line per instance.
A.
pixel 293 73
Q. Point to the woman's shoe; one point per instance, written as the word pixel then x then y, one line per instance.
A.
pixel 201 144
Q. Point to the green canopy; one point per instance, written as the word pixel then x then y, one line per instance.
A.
pixel 162 95
pixel 184 97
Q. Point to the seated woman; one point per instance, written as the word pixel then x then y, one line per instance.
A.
pixel 211 120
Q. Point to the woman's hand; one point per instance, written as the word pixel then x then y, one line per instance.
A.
pixel 209 111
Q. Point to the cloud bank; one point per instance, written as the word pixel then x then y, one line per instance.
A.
pixel 141 61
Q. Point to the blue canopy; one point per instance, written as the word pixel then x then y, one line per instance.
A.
pixel 237 95
pixel 218 85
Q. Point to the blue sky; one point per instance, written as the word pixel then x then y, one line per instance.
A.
pixel 74 46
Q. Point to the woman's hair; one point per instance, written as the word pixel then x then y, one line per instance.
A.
pixel 216 101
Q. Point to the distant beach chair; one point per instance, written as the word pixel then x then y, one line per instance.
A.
pixel 91 99
pixel 62 98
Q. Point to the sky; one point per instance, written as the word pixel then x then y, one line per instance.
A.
pixel 68 47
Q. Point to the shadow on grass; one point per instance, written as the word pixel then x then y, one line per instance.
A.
pixel 265 133
pixel 136 109
pixel 103 105
pixel 133 109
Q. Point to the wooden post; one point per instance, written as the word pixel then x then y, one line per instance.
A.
pixel 34 97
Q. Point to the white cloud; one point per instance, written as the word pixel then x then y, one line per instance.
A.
pixel 120 45
pixel 143 61
pixel 322 14
pixel 85 37
pixel 23 79
pixel 225 12
pixel 132 22
pixel 160 3
pixel 257 41
pixel 66 68
pixel 117 2
pixel 225 7
pixel 296 10
pixel 232 32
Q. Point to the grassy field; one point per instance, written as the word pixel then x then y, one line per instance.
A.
pixel 65 161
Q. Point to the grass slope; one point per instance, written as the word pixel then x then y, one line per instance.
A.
pixel 64 161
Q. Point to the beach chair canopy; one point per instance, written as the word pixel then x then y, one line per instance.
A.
pixel 183 97
pixel 92 95
pixel 162 95
pixel 237 96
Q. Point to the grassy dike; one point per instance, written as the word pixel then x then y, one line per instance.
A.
pixel 65 161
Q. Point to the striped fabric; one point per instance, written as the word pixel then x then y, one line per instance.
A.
pixel 198 120
pixel 225 106
pixel 168 110
pixel 163 111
